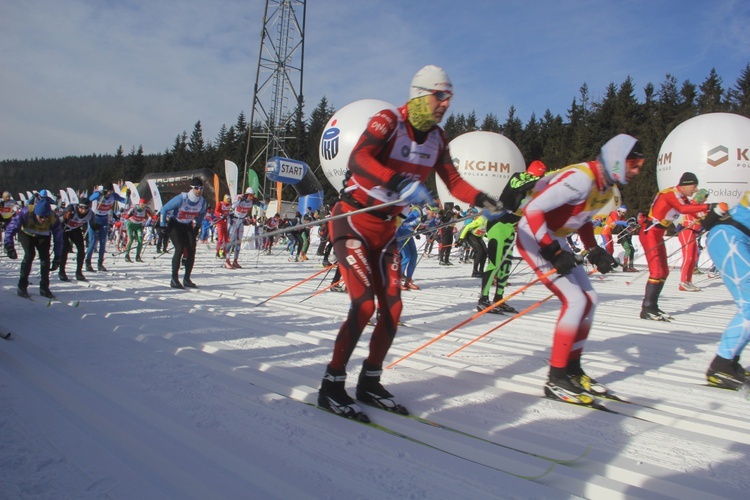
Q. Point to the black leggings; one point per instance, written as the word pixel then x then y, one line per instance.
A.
pixel 183 240
pixel 480 251
pixel 74 236
pixel 31 246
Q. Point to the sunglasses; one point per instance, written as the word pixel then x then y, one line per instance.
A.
pixel 442 95
pixel 197 187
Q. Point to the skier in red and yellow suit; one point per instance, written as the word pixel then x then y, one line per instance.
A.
pixel 565 203
pixel 667 207
pixel 608 226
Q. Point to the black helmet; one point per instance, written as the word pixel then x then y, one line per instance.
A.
pixel 84 202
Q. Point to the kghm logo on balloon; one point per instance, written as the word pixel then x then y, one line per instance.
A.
pixel 717 156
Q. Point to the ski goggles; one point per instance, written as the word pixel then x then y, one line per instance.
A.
pixel 440 95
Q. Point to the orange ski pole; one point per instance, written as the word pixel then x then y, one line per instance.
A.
pixel 325 289
pixel 473 317
pixel 517 315
pixel 296 285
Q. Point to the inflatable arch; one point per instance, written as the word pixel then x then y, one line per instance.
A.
pixel 170 184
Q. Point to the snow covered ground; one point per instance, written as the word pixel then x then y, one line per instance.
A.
pixel 126 388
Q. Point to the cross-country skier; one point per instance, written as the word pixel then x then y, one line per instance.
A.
pixel 667 207
pixel 501 235
pixel 563 203
pixel 76 216
pixel 236 227
pixel 105 198
pixel 136 218
pixel 222 211
pixel 35 225
pixel 728 244
pixel 393 157
pixel 183 216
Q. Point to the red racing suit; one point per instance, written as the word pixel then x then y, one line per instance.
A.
pixel 667 207
pixel 222 212
pixel 688 236
pixel 365 244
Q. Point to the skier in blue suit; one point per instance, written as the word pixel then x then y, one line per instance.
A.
pixel 728 244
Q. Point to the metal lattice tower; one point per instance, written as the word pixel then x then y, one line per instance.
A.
pixel 277 94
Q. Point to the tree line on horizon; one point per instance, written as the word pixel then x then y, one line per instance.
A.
pixel 555 140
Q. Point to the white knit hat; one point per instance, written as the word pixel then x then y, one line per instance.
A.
pixel 429 79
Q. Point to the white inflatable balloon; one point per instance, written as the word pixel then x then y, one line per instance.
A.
pixel 486 160
pixel 341 134
pixel 716 148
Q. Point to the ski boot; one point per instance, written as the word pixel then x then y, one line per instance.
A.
pixel 188 283
pixel 371 392
pixel 45 292
pixel 175 283
pixel 484 303
pixel 579 377
pixel 89 267
pixel 725 374
pixel 128 259
pixel 564 388
pixel 80 276
pixel 100 266
pixel 236 265
pixel 687 286
pixel 333 397
pixel 138 259
pixel 62 276
pixel 23 291
pixel 505 307
pixel 655 315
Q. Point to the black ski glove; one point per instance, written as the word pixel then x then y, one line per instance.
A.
pixel 716 213
pixel 563 260
pixel 603 261
pixel 11 253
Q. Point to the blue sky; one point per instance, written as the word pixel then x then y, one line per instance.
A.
pixel 83 76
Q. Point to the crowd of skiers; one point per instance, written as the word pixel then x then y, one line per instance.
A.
pixel 549 216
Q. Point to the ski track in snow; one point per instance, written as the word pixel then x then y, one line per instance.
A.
pixel 126 388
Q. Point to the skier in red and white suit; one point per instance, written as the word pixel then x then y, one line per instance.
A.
pixel 393 157
pixel 564 203
pixel 667 207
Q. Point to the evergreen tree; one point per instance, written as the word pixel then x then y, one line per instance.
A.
pixel 555 141
pixel 739 95
pixel 711 98
pixel 491 123
pixel 629 116
pixel 455 125
pixel 512 128
pixel 471 122
pixel 530 142
pixel 196 147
